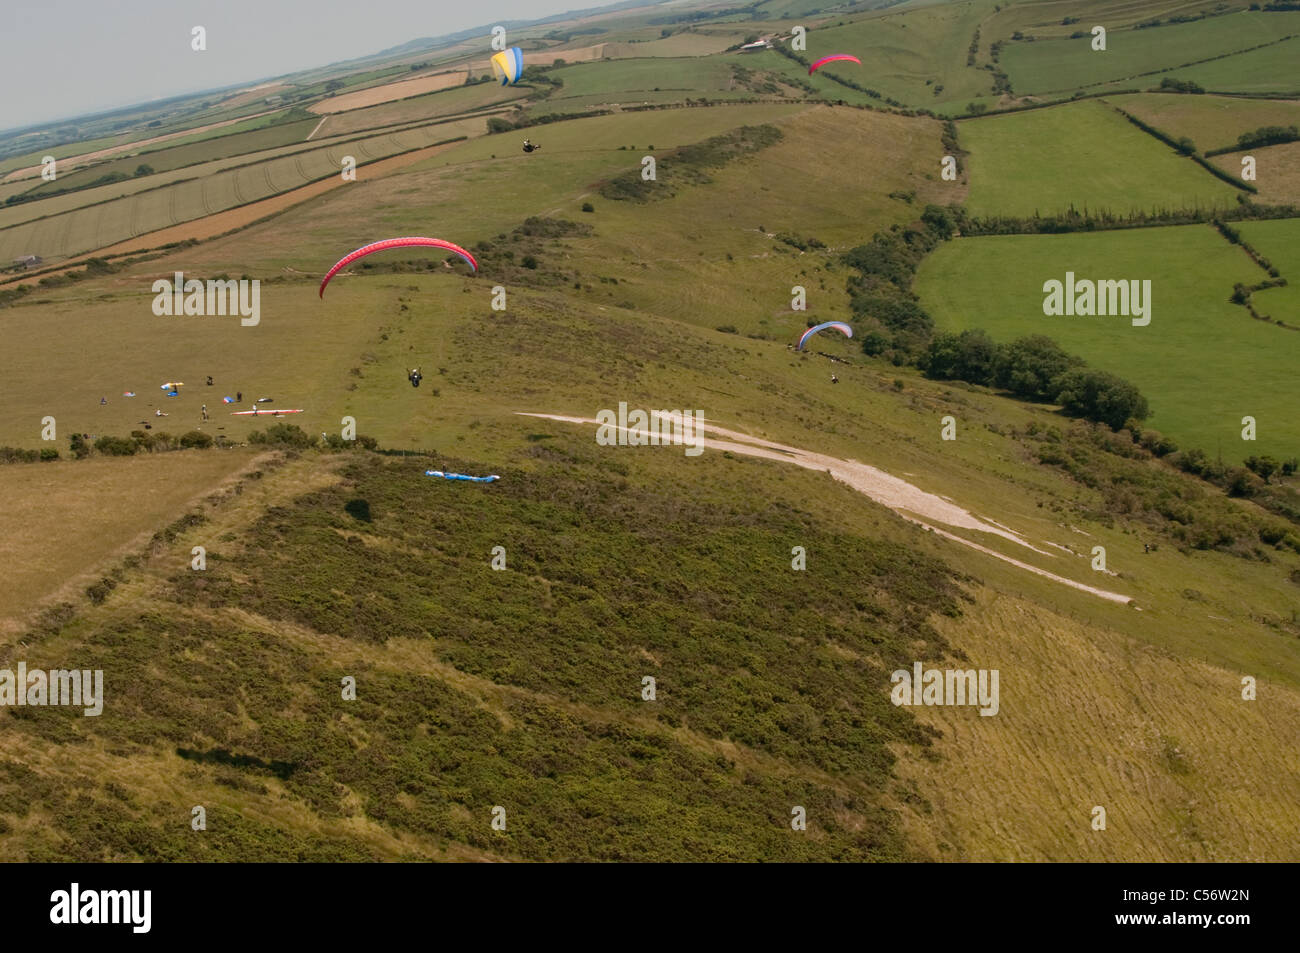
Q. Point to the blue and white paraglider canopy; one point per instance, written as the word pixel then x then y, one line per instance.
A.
pixel 461 476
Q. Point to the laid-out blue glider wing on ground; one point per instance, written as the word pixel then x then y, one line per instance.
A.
pixel 461 476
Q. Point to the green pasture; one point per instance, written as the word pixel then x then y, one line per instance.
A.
pixel 1044 20
pixel 57 204
pixel 445 102
pixel 177 157
pixel 1082 156
pixel 1202 362
pixel 1056 65
pixel 688 75
pixel 907 54
pixel 1212 122
pixel 1279 242
pixel 74 148
pixel 1272 70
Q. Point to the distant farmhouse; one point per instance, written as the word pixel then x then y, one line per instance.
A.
pixel 763 44
pixel 28 261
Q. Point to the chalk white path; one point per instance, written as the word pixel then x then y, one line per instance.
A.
pixel 910 502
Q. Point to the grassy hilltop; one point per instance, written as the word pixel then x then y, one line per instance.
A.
pixel 525 687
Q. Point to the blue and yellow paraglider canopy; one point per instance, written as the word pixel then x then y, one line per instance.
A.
pixel 508 66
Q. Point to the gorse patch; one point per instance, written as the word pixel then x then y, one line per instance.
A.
pixel 687 165
pixel 704 600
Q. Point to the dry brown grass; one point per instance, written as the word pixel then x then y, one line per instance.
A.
pixel 1277 171
pixel 221 223
pixel 65 521
pixel 1212 122
pixel 253 95
pixel 389 92
pixel 1186 770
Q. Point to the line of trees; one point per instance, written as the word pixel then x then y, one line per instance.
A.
pixel 1035 368
pixel 892 324
pixel 1266 136
pixel 1074 220
pixel 280 435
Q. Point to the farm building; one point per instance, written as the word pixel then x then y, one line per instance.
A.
pixel 28 261
pixel 756 46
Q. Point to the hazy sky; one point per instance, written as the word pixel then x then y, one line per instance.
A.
pixel 61 58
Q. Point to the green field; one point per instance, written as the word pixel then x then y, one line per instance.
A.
pixel 1132 56
pixel 679 44
pixel 907 54
pixel 178 157
pixel 1273 70
pixel 1279 242
pixel 1212 122
pixel 82 199
pixel 1044 20
pixel 447 102
pixel 1083 156
pixel 621 78
pixel 1202 362
pixel 62 151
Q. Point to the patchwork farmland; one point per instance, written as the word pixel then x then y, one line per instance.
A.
pixel 637 652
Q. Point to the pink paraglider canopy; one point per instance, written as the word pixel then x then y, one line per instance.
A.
pixel 835 58
pixel 411 242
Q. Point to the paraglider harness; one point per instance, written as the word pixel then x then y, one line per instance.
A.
pixel 529 147
pixel 415 377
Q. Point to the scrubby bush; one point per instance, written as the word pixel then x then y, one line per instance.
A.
pixel 19 455
pixel 969 356
pixel 196 439
pixel 1097 395
pixel 1030 366
pixel 282 435
pixel 115 446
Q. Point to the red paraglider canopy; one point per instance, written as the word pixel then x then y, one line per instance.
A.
pixel 834 58
pixel 411 242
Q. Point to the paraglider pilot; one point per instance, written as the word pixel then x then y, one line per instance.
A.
pixel 529 146
pixel 415 377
